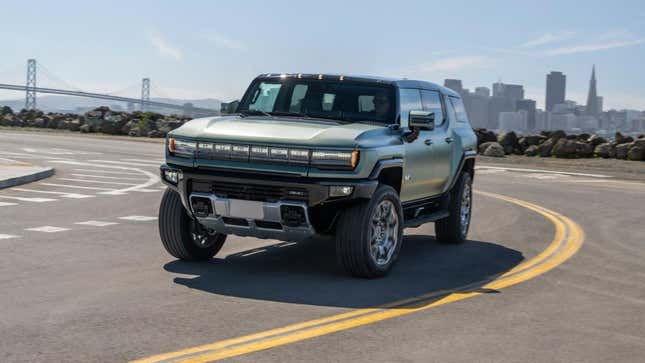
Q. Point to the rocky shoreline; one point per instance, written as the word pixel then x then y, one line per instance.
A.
pixel 560 145
pixel 100 120
pixel 151 124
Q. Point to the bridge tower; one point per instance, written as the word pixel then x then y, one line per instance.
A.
pixel 30 96
pixel 145 93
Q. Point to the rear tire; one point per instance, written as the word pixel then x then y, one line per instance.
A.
pixel 454 228
pixel 182 236
pixel 369 235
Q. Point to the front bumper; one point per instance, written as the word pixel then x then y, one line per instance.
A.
pixel 260 206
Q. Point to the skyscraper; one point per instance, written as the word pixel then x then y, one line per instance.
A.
pixel 529 107
pixel 513 92
pixel 592 96
pixel 454 84
pixel 556 83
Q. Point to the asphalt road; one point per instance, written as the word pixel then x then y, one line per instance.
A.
pixel 83 275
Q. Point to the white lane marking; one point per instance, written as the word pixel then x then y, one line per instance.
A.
pixel 541 171
pixel 124 163
pixel 147 190
pixel 47 229
pixel 108 177
pixel 62 194
pixel 75 186
pixel 58 151
pixel 95 181
pixel 138 218
pixel 545 176
pixel 153 162
pixel 96 223
pixel 153 178
pixel 105 171
pixel 8 236
pixel 7 204
pixel 24 199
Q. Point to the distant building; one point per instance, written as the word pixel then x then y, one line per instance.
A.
pixel 454 84
pixel 478 111
pixel 588 123
pixel 529 107
pixel 563 121
pixel 514 92
pixel 556 83
pixel 592 96
pixel 498 105
pixel 482 91
pixel 513 121
pixel 567 106
pixel 600 101
pixel 541 120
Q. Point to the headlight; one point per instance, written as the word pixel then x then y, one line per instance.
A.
pixel 328 159
pixel 182 148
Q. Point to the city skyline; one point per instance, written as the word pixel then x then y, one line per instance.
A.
pixel 202 51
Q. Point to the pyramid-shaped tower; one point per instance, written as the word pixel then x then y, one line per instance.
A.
pixel 592 96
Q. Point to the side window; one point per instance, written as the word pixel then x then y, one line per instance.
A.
pixel 297 97
pixel 264 97
pixel 452 115
pixel 460 110
pixel 432 102
pixel 410 101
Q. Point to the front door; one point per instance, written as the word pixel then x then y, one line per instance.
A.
pixel 441 140
pixel 426 171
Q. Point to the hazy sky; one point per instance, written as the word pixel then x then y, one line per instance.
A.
pixel 198 49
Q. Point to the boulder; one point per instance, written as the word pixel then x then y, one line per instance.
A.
pixel 155 133
pixel 596 140
pixel 484 146
pixel 605 150
pixel 622 150
pixel 531 150
pixel 494 150
pixel 508 140
pixel 6 110
pixel 621 139
pixel 572 149
pixel 636 153
pixel 544 149
pixel 484 135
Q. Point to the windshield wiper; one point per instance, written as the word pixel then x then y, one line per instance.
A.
pixel 287 113
pixel 247 113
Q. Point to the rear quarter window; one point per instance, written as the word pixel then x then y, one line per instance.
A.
pixel 460 110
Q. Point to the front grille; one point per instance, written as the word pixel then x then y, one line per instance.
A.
pixel 256 192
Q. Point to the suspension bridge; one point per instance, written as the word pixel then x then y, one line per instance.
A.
pixel 31 89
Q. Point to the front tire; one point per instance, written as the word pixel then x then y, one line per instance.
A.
pixel 181 235
pixel 454 228
pixel 369 235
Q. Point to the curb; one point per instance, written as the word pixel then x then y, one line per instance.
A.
pixel 12 182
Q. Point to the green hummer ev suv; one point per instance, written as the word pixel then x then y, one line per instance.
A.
pixel 358 158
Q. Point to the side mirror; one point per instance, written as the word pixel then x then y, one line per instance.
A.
pixel 423 120
pixel 229 108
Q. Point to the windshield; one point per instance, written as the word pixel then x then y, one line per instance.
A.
pixel 335 100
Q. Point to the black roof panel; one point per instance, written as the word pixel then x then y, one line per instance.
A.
pixel 399 82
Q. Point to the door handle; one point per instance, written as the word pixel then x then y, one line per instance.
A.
pixel 428 142
pixel 449 139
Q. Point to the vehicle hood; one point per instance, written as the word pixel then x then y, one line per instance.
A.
pixel 279 131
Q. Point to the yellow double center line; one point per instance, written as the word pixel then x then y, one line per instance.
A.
pixel 566 242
